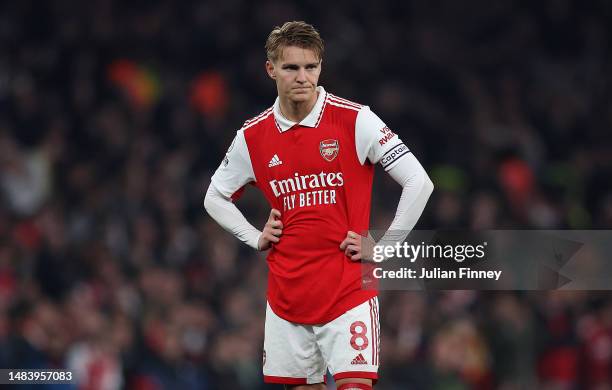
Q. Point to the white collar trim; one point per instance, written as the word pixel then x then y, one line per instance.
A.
pixel 311 120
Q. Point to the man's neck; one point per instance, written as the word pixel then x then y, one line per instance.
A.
pixel 296 112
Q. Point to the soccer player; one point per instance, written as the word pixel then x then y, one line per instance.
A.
pixel 312 154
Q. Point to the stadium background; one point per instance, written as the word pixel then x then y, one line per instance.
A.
pixel 113 116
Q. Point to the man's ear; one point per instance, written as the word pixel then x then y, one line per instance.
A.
pixel 270 69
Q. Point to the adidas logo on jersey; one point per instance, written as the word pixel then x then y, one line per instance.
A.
pixel 359 360
pixel 275 161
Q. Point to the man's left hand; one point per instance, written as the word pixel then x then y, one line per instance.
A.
pixel 357 247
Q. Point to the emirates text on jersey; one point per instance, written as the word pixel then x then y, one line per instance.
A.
pixel 287 187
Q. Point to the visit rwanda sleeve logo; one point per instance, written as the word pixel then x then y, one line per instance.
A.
pixel 329 149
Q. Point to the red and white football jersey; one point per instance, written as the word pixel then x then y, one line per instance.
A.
pixel 319 174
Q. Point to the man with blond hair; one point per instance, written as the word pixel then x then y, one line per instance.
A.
pixel 312 154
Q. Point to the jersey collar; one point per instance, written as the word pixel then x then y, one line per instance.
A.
pixel 312 119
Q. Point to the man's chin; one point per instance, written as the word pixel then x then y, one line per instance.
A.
pixel 301 97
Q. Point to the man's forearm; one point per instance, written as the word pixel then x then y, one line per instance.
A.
pixel 223 210
pixel 416 189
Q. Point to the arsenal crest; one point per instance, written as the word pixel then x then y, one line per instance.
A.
pixel 329 149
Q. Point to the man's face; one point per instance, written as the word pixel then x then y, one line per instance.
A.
pixel 296 72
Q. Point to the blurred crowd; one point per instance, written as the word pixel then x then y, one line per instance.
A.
pixel 114 115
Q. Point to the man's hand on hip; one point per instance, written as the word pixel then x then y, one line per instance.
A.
pixel 271 232
pixel 357 247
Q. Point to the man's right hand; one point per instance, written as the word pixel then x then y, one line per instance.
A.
pixel 271 232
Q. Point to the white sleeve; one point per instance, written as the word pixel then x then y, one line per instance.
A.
pixel 222 210
pixel 375 142
pixel 416 189
pixel 235 170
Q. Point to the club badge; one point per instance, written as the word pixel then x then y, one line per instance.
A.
pixel 329 149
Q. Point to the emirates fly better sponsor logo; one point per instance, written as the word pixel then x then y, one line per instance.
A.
pixel 307 190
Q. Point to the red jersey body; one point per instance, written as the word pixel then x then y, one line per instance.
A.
pixel 314 174
pixel 323 192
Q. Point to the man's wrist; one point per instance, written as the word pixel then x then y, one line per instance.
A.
pixel 257 242
pixel 254 241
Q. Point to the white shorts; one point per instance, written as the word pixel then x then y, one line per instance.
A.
pixel 348 346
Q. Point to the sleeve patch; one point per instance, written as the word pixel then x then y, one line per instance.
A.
pixel 387 134
pixel 394 154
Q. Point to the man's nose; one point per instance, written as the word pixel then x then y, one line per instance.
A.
pixel 301 76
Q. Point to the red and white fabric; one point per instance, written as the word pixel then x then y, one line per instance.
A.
pixel 301 354
pixel 319 174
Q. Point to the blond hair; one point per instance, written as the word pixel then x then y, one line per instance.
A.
pixel 296 33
